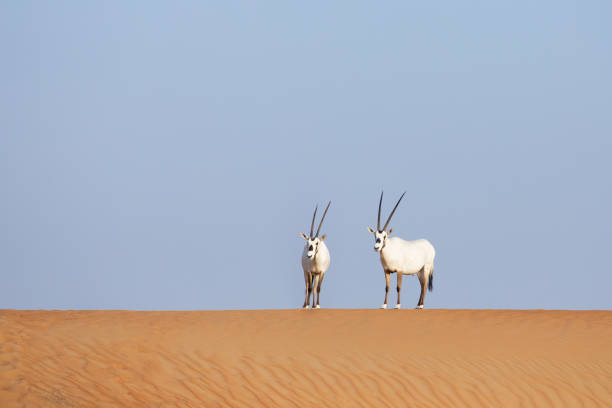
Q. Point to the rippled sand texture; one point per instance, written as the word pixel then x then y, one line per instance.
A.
pixel 285 358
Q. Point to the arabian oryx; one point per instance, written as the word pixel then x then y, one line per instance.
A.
pixel 403 257
pixel 315 260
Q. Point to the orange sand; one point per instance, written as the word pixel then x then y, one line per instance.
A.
pixel 288 358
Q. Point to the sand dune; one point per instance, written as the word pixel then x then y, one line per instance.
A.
pixel 296 358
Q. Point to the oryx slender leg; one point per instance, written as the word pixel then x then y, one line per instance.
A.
pixel 308 280
pixel 423 281
pixel 399 288
pixel 387 281
pixel 314 285
pixel 322 275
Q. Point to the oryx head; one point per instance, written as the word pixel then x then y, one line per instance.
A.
pixel 381 234
pixel 313 239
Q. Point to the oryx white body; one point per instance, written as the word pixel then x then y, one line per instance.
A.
pixel 403 257
pixel 315 261
pixel 406 257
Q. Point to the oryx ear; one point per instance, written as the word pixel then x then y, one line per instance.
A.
pixel 304 236
pixel 371 230
pixel 390 231
pixel 323 237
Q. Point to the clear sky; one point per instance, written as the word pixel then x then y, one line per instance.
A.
pixel 166 155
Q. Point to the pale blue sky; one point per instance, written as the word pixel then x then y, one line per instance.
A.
pixel 165 155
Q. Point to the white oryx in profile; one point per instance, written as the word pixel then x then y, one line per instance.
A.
pixel 315 260
pixel 403 257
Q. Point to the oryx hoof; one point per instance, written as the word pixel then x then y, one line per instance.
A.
pixel 398 306
pixel 317 307
pixel 306 307
pixel 419 307
pixel 384 306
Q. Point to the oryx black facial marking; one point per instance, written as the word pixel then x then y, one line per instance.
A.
pixel 313 247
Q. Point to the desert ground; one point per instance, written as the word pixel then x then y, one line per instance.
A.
pixel 298 358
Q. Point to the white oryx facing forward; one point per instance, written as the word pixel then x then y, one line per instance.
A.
pixel 403 257
pixel 315 261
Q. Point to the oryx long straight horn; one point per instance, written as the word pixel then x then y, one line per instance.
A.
pixel 379 208
pixel 322 218
pixel 392 212
pixel 314 216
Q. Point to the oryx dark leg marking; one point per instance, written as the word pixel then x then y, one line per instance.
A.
pixel 387 281
pixel 314 285
pixel 423 282
pixel 311 289
pixel 308 289
pixel 319 287
pixel 399 286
